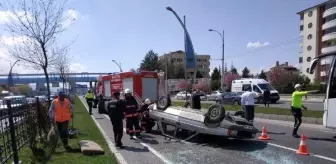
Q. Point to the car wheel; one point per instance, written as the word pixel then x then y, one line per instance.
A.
pixel 163 103
pixel 240 113
pixel 214 116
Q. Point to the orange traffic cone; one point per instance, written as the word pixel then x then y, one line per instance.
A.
pixel 303 147
pixel 263 135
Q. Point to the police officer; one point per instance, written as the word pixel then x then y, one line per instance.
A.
pixel 296 107
pixel 115 111
pixel 60 111
pixel 89 100
pixel 131 114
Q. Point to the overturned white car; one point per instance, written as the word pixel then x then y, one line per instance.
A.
pixel 214 122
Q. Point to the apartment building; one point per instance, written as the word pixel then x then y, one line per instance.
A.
pixel 318 32
pixel 285 67
pixel 177 58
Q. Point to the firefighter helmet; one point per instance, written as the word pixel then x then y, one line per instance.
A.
pixel 147 101
pixel 127 91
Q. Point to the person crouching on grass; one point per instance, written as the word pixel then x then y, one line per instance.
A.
pixel 60 111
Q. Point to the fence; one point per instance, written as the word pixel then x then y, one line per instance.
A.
pixel 19 126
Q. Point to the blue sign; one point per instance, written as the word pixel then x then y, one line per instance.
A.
pixel 189 53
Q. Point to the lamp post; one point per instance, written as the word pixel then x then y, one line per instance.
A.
pixel 188 45
pixel 118 64
pixel 222 37
pixel 10 77
pixel 162 83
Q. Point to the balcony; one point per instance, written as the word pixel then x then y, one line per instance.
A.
pixel 329 49
pixel 329 24
pixel 330 36
pixel 329 12
pixel 326 60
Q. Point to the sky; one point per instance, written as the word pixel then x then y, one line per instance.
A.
pixel 125 30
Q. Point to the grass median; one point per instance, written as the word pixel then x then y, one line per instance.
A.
pixel 88 131
pixel 264 110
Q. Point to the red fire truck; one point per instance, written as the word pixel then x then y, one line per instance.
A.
pixel 143 84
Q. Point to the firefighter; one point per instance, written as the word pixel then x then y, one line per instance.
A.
pixel 143 109
pixel 89 100
pixel 131 114
pixel 115 110
pixel 60 111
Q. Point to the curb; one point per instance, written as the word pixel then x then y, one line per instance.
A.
pixel 120 159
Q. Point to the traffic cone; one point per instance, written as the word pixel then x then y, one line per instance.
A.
pixel 263 135
pixel 303 147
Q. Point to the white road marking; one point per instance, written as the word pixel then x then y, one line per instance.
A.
pixel 311 154
pixel 156 153
pixel 111 146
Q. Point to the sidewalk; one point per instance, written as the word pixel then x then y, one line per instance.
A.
pixel 135 151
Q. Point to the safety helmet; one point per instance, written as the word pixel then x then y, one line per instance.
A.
pixel 127 91
pixel 297 86
pixel 147 101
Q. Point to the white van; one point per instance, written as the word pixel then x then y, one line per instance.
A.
pixel 257 85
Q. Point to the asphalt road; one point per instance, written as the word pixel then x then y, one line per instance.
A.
pixel 281 104
pixel 155 149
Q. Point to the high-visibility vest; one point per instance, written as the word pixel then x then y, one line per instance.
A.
pixel 62 110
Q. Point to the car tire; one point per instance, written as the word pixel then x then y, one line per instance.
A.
pixel 163 103
pixel 240 113
pixel 214 116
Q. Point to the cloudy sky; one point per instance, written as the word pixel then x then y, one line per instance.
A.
pixel 257 32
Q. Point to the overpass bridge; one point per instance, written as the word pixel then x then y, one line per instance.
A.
pixel 54 78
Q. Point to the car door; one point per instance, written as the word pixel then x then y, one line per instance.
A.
pixel 227 98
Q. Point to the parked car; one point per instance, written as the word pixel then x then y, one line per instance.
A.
pixel 182 95
pixel 215 95
pixel 231 98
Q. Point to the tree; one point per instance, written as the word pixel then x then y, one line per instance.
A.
pixel 150 62
pixel 203 86
pixel 39 24
pixel 233 70
pixel 262 75
pixel 23 89
pixel 215 84
pixel 182 84
pixel 228 78
pixel 246 73
pixel 215 75
pixel 198 74
pixel 179 72
pixel 62 67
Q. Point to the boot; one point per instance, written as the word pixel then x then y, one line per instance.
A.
pixel 294 134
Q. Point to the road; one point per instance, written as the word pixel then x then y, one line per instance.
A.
pixel 155 149
pixel 281 104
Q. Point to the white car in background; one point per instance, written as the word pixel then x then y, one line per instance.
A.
pixel 182 95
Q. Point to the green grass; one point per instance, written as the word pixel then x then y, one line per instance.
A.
pixel 264 110
pixel 88 131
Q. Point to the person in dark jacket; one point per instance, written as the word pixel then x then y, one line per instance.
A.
pixel 267 96
pixel 115 112
pixel 196 99
pixel 131 114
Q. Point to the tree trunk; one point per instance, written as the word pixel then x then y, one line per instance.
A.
pixel 48 84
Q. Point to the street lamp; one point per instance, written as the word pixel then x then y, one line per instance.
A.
pixel 222 37
pixel 10 77
pixel 119 65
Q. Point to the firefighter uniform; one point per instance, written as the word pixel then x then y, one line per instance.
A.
pixel 89 100
pixel 115 111
pixel 131 115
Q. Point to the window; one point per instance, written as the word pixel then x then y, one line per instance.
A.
pixel 329 30
pixel 300 59
pixel 256 89
pixel 310 13
pixel 308 59
pixel 309 48
pixel 329 18
pixel 309 36
pixel 265 86
pixel 310 25
pixel 246 86
pixel 330 5
pixel 332 85
pixel 307 70
pixel 301 27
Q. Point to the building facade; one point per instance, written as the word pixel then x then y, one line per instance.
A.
pixel 177 58
pixel 318 33
pixel 285 67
